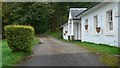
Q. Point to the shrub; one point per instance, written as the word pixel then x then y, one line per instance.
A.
pixel 19 37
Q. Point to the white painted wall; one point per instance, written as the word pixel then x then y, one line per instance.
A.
pixel 69 25
pixel 77 30
pixel 65 35
pixel 119 24
pixel 104 37
pixel 72 26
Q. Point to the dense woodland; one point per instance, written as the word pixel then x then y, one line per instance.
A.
pixel 42 16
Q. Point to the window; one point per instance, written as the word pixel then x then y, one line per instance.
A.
pixel 86 21
pixel 109 20
pixel 96 21
pixel 86 24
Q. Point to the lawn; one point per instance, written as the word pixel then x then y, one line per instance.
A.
pixel 9 58
pixel 56 34
pixel 101 48
pixel 0 53
pixel 108 54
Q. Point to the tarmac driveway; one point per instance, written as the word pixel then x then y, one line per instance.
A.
pixel 53 52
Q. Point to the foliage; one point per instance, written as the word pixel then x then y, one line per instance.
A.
pixel 0 8
pixel 41 15
pixel 8 57
pixel 61 11
pixel 19 37
pixel 27 13
pixel 6 15
pixel 56 34
pixel 0 53
pixel 35 41
pixel 35 14
pixel 110 60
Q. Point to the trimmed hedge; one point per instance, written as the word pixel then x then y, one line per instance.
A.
pixel 19 37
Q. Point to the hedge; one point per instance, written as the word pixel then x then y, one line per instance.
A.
pixel 19 37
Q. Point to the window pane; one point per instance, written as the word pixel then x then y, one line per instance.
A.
pixel 86 22
pixel 111 13
pixel 110 19
pixel 110 25
pixel 96 20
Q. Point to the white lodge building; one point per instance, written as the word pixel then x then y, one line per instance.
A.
pixel 98 24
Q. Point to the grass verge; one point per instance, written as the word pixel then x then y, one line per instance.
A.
pixel 108 54
pixel 8 57
pixel 56 34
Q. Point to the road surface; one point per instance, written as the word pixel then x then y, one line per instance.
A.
pixel 53 52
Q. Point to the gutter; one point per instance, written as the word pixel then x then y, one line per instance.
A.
pixel 76 19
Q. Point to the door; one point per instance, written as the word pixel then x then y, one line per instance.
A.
pixel 76 31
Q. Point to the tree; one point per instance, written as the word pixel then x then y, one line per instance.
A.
pixel 41 15
pixel 61 11
pixel 7 8
pixel 34 14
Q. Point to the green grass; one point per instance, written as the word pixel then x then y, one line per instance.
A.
pixel 110 60
pixel 106 52
pixel 9 58
pixel 35 41
pixel 0 54
pixel 56 34
pixel 101 48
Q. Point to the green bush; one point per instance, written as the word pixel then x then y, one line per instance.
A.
pixel 19 37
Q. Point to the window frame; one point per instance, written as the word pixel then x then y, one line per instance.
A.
pixel 109 15
pixel 86 21
pixel 96 21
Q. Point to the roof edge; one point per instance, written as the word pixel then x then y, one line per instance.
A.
pixel 89 8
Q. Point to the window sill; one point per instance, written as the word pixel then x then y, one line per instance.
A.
pixel 110 34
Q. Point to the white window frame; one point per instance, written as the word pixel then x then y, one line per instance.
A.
pixel 96 21
pixel 109 19
pixel 109 15
pixel 86 21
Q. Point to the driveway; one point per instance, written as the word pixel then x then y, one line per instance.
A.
pixel 53 52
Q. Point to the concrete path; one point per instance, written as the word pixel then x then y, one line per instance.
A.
pixel 53 52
